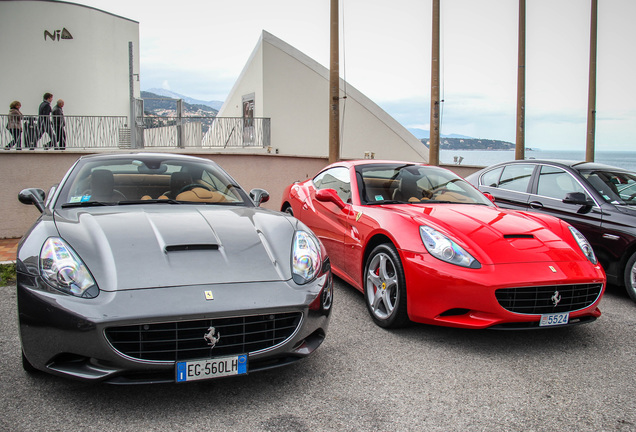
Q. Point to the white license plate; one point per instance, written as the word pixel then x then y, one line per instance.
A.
pixel 554 319
pixel 211 368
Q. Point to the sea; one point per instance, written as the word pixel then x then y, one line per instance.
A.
pixel 482 158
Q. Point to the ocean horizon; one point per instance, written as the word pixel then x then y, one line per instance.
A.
pixel 483 158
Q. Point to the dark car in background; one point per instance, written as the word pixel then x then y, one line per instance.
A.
pixel 599 200
pixel 160 268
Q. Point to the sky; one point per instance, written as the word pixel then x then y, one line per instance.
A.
pixel 198 48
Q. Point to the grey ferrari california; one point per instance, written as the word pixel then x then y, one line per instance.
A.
pixel 160 268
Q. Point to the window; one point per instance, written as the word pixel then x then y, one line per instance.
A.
pixel 516 177
pixel 335 178
pixel 557 183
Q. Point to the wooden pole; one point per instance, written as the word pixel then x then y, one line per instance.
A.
pixel 520 143
pixel 433 150
pixel 591 96
pixel 334 88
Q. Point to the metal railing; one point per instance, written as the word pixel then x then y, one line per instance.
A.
pixel 111 132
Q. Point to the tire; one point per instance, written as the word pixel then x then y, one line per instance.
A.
pixel 630 277
pixel 289 210
pixel 385 287
pixel 28 367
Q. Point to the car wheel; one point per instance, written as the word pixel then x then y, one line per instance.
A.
pixel 289 210
pixel 385 288
pixel 630 277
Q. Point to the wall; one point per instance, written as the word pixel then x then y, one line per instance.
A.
pixel 42 170
pixel 90 71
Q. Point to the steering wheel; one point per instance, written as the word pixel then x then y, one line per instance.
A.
pixel 192 186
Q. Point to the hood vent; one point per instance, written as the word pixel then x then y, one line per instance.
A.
pixel 518 236
pixel 191 247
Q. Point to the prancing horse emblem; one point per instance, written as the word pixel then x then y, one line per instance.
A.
pixel 556 298
pixel 211 338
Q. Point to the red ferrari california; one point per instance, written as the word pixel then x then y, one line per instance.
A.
pixel 423 245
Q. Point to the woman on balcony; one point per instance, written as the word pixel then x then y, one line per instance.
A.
pixel 15 125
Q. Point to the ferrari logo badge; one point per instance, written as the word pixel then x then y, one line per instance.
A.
pixel 553 269
pixel 358 216
pixel 556 298
pixel 212 337
pixel 383 286
pixel 208 295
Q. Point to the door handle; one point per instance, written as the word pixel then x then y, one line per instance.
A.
pixel 535 205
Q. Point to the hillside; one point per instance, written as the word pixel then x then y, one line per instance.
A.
pixel 471 144
pixel 157 105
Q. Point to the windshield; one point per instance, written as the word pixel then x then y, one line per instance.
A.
pixel 615 187
pixel 140 179
pixel 387 183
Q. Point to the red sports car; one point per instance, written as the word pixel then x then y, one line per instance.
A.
pixel 424 245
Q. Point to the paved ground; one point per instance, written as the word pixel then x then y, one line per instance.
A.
pixel 364 378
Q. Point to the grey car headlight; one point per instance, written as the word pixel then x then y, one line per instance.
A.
pixel 445 249
pixel 585 246
pixel 64 270
pixel 306 257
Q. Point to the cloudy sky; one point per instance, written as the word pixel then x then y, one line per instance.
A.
pixel 199 47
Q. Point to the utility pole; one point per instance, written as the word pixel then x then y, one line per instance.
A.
pixel 334 88
pixel 591 95
pixel 131 89
pixel 433 149
pixel 520 143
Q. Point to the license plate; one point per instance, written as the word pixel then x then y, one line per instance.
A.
pixel 554 319
pixel 211 368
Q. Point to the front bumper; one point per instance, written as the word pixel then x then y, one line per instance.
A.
pixel 66 336
pixel 444 294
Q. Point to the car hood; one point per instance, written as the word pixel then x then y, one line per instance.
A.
pixel 164 245
pixel 497 236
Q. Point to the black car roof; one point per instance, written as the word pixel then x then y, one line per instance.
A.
pixel 573 164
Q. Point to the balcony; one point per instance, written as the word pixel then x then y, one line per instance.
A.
pixel 113 132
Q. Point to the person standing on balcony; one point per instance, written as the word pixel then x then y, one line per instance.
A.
pixel 60 124
pixel 15 125
pixel 44 120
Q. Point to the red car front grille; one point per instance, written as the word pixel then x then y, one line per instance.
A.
pixel 548 299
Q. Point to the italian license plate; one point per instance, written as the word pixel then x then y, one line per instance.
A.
pixel 211 368
pixel 554 319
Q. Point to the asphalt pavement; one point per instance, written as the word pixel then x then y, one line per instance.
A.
pixel 364 378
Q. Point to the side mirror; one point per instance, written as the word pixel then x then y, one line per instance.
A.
pixel 259 196
pixel 577 198
pixel 489 196
pixel 330 195
pixel 34 197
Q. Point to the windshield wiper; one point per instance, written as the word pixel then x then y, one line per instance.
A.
pixel 87 204
pixel 150 201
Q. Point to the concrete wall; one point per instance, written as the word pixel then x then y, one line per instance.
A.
pixel 90 71
pixel 43 170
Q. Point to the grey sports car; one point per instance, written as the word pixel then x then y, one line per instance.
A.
pixel 160 268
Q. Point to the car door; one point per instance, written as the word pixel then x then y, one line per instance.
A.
pixel 552 185
pixel 327 219
pixel 509 184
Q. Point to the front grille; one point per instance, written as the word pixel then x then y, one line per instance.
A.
pixel 541 300
pixel 184 340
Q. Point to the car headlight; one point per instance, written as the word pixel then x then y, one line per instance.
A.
pixel 443 248
pixel 585 246
pixel 64 270
pixel 306 257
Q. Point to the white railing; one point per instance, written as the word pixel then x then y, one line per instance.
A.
pixel 111 132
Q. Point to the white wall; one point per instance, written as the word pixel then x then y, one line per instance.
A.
pixel 293 90
pixel 90 71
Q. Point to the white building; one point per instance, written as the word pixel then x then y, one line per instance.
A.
pixel 78 53
pixel 282 83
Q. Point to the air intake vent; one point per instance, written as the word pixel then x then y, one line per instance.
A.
pixel 518 236
pixel 191 247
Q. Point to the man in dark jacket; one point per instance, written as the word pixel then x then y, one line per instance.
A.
pixel 44 120
pixel 59 123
